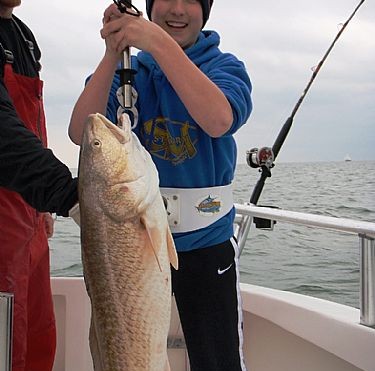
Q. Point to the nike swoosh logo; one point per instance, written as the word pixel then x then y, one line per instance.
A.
pixel 221 271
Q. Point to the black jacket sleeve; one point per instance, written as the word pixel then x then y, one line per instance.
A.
pixel 30 169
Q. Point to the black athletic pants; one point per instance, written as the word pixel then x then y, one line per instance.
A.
pixel 206 288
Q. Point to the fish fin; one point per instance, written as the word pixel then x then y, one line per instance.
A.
pixel 172 253
pixel 154 238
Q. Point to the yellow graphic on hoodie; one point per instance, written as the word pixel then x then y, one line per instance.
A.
pixel 169 140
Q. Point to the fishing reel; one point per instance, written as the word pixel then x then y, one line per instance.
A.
pixel 260 157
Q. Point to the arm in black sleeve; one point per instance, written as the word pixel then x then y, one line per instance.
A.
pixel 30 169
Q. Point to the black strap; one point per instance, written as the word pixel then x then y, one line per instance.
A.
pixel 6 56
pixel 30 46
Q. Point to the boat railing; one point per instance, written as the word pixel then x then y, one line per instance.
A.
pixel 245 213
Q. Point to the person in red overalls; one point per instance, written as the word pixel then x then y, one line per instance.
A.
pixel 24 251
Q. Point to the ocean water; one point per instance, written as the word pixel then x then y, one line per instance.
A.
pixel 314 262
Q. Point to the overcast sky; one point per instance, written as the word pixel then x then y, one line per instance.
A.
pixel 279 41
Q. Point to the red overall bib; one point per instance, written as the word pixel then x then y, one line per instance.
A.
pixel 24 251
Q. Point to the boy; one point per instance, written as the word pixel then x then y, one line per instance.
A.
pixel 190 100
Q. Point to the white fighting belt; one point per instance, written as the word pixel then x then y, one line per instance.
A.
pixel 190 209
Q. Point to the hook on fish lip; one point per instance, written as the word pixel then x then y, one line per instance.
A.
pixel 124 127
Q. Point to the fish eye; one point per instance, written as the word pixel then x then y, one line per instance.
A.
pixel 96 143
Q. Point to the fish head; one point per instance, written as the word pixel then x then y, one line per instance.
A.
pixel 102 148
pixel 115 170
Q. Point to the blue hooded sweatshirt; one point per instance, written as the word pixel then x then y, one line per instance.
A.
pixel 185 156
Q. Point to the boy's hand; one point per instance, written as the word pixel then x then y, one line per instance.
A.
pixel 121 30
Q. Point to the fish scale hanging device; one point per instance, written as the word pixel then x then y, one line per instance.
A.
pixel 126 72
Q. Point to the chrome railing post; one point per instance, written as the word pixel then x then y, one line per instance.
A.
pixel 241 231
pixel 6 330
pixel 367 280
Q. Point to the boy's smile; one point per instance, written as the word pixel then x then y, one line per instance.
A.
pixel 182 19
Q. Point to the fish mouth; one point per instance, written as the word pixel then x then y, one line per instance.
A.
pixel 122 134
pixel 119 133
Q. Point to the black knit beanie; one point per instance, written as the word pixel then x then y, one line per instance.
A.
pixel 206 7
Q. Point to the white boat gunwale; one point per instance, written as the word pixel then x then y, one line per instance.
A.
pixel 334 329
pixel 328 336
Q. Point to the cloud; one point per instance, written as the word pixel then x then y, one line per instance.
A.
pixel 278 41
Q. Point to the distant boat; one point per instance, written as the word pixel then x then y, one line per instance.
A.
pixel 347 158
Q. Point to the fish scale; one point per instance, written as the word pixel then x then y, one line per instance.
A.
pixel 127 249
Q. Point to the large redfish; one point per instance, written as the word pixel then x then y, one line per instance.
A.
pixel 127 249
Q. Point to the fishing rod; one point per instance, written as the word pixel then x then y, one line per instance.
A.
pixel 126 72
pixel 264 158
